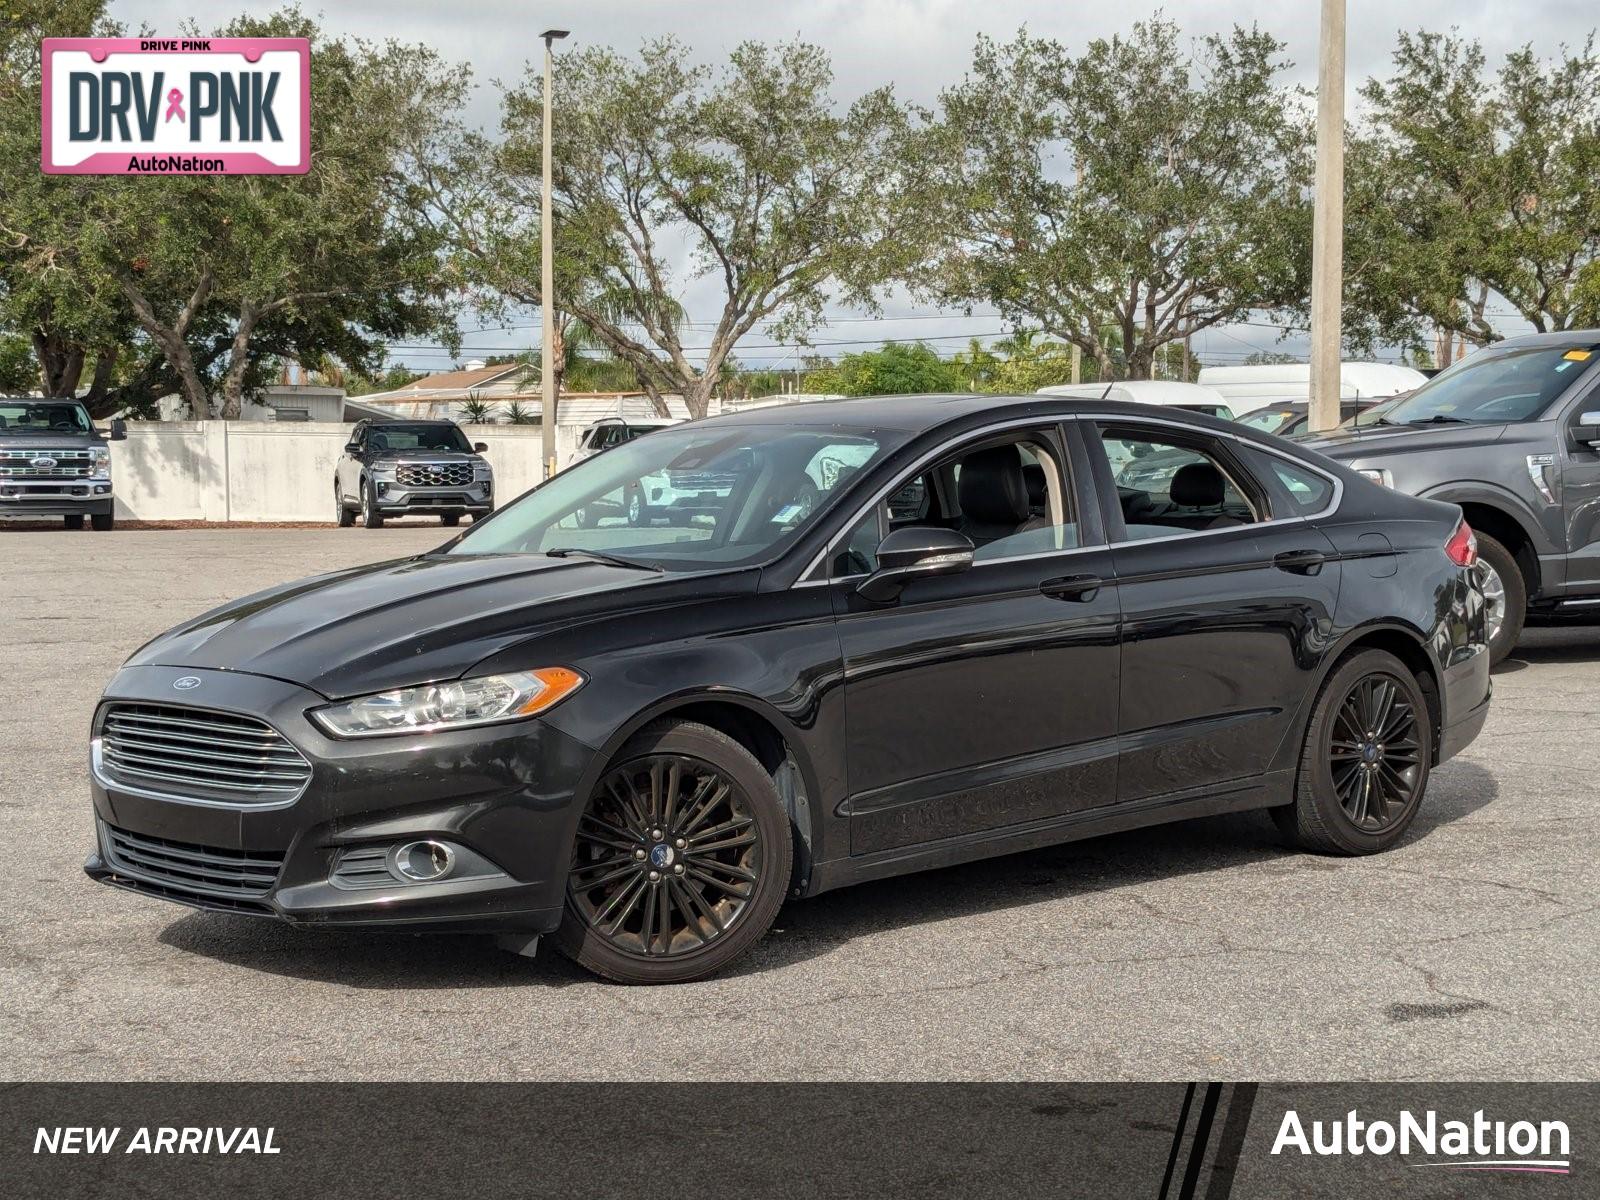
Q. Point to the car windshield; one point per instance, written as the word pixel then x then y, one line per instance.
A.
pixel 418 437
pixel 687 498
pixel 1496 386
pixel 27 416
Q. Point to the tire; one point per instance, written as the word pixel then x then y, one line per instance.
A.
pixel 371 518
pixel 450 518
pixel 1510 597
pixel 1336 810
pixel 73 520
pixel 638 510
pixel 587 517
pixel 102 522
pixel 710 914
pixel 341 510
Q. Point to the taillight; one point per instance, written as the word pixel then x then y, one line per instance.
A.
pixel 1462 546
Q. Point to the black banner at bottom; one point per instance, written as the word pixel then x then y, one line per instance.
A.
pixel 728 1141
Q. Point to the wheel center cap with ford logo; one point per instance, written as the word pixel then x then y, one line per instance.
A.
pixel 661 855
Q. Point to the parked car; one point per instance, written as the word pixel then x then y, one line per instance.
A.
pixel 402 468
pixel 55 463
pixel 643 738
pixel 1293 418
pixel 1512 434
pixel 609 432
pixel 1250 387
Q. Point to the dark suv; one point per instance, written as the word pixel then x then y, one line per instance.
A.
pixel 1512 435
pixel 403 468
pixel 54 462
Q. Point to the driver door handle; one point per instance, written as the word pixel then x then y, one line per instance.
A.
pixel 1079 588
pixel 1300 562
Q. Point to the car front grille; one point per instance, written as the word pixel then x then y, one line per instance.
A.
pixel 197 874
pixel 202 755
pixel 434 474
pixel 64 464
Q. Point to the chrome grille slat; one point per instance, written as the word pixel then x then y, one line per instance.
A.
pixel 203 872
pixel 434 474
pixel 201 755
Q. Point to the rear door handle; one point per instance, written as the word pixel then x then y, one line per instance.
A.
pixel 1079 588
pixel 1300 562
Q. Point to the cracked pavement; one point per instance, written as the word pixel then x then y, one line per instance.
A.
pixel 1199 950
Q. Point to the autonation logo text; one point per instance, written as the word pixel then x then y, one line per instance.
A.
pixel 1476 1145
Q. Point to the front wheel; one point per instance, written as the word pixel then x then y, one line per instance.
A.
pixel 638 510
pixel 450 518
pixel 1505 596
pixel 1364 764
pixel 73 520
pixel 341 511
pixel 682 858
pixel 103 522
pixel 370 516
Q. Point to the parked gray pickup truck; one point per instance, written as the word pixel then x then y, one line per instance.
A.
pixel 54 462
pixel 1511 434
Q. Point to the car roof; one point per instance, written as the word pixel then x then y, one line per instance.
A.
pixel 1563 338
pixel 408 421
pixel 917 413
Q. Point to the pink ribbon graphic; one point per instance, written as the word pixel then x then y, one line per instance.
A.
pixel 175 105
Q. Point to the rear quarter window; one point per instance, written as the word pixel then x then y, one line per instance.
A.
pixel 1308 491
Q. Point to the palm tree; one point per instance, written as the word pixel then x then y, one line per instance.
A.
pixel 519 414
pixel 475 410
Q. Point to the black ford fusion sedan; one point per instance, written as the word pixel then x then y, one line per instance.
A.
pixel 893 634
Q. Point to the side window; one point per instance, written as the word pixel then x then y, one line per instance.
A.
pixel 1168 484
pixel 1308 490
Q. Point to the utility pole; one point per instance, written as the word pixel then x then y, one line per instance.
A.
pixel 547 285
pixel 1327 235
pixel 1077 364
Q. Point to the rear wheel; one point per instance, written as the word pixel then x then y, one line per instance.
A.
pixel 73 521
pixel 102 521
pixel 1364 764
pixel 1505 596
pixel 681 860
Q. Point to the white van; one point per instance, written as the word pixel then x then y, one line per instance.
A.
pixel 1193 397
pixel 1249 388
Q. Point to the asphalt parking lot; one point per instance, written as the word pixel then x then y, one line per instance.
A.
pixel 1201 950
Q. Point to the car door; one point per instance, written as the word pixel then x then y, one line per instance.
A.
pixel 987 698
pixel 1577 465
pixel 1225 605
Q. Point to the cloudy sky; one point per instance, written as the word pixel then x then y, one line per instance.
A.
pixel 918 45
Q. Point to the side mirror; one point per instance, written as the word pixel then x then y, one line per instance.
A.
pixel 1587 431
pixel 119 429
pixel 912 553
pixel 480 447
pixel 352 447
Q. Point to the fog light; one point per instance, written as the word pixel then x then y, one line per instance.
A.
pixel 424 862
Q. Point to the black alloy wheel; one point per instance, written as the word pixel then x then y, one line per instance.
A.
pixel 1365 759
pixel 1375 753
pixel 681 860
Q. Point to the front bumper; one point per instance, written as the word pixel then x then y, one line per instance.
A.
pixel 394 498
pixel 503 793
pixel 29 500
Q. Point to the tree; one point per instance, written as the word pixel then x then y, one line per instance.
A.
pixel 896 369
pixel 218 275
pixel 478 411
pixel 1120 201
pixel 749 176
pixel 1468 192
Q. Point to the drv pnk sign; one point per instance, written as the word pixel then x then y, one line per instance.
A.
pixel 177 106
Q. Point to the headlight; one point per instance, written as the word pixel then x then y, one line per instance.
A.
pixel 1379 475
pixel 481 471
pixel 100 462
pixel 485 700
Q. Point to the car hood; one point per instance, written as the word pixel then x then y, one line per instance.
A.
pixel 1381 441
pixel 54 441
pixel 409 621
pixel 426 456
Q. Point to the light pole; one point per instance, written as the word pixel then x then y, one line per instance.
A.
pixel 1327 217
pixel 547 272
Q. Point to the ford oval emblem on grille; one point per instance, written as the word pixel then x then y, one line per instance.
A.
pixel 186 683
pixel 43 462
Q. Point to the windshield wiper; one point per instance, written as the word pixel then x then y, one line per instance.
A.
pixel 615 560
pixel 1439 419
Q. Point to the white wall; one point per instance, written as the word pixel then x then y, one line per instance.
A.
pixel 264 471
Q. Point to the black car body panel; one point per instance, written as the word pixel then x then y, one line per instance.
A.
pixel 1027 700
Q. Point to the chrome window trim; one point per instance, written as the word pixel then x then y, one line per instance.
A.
pixel 828 549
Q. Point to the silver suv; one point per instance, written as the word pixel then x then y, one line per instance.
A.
pixel 402 468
